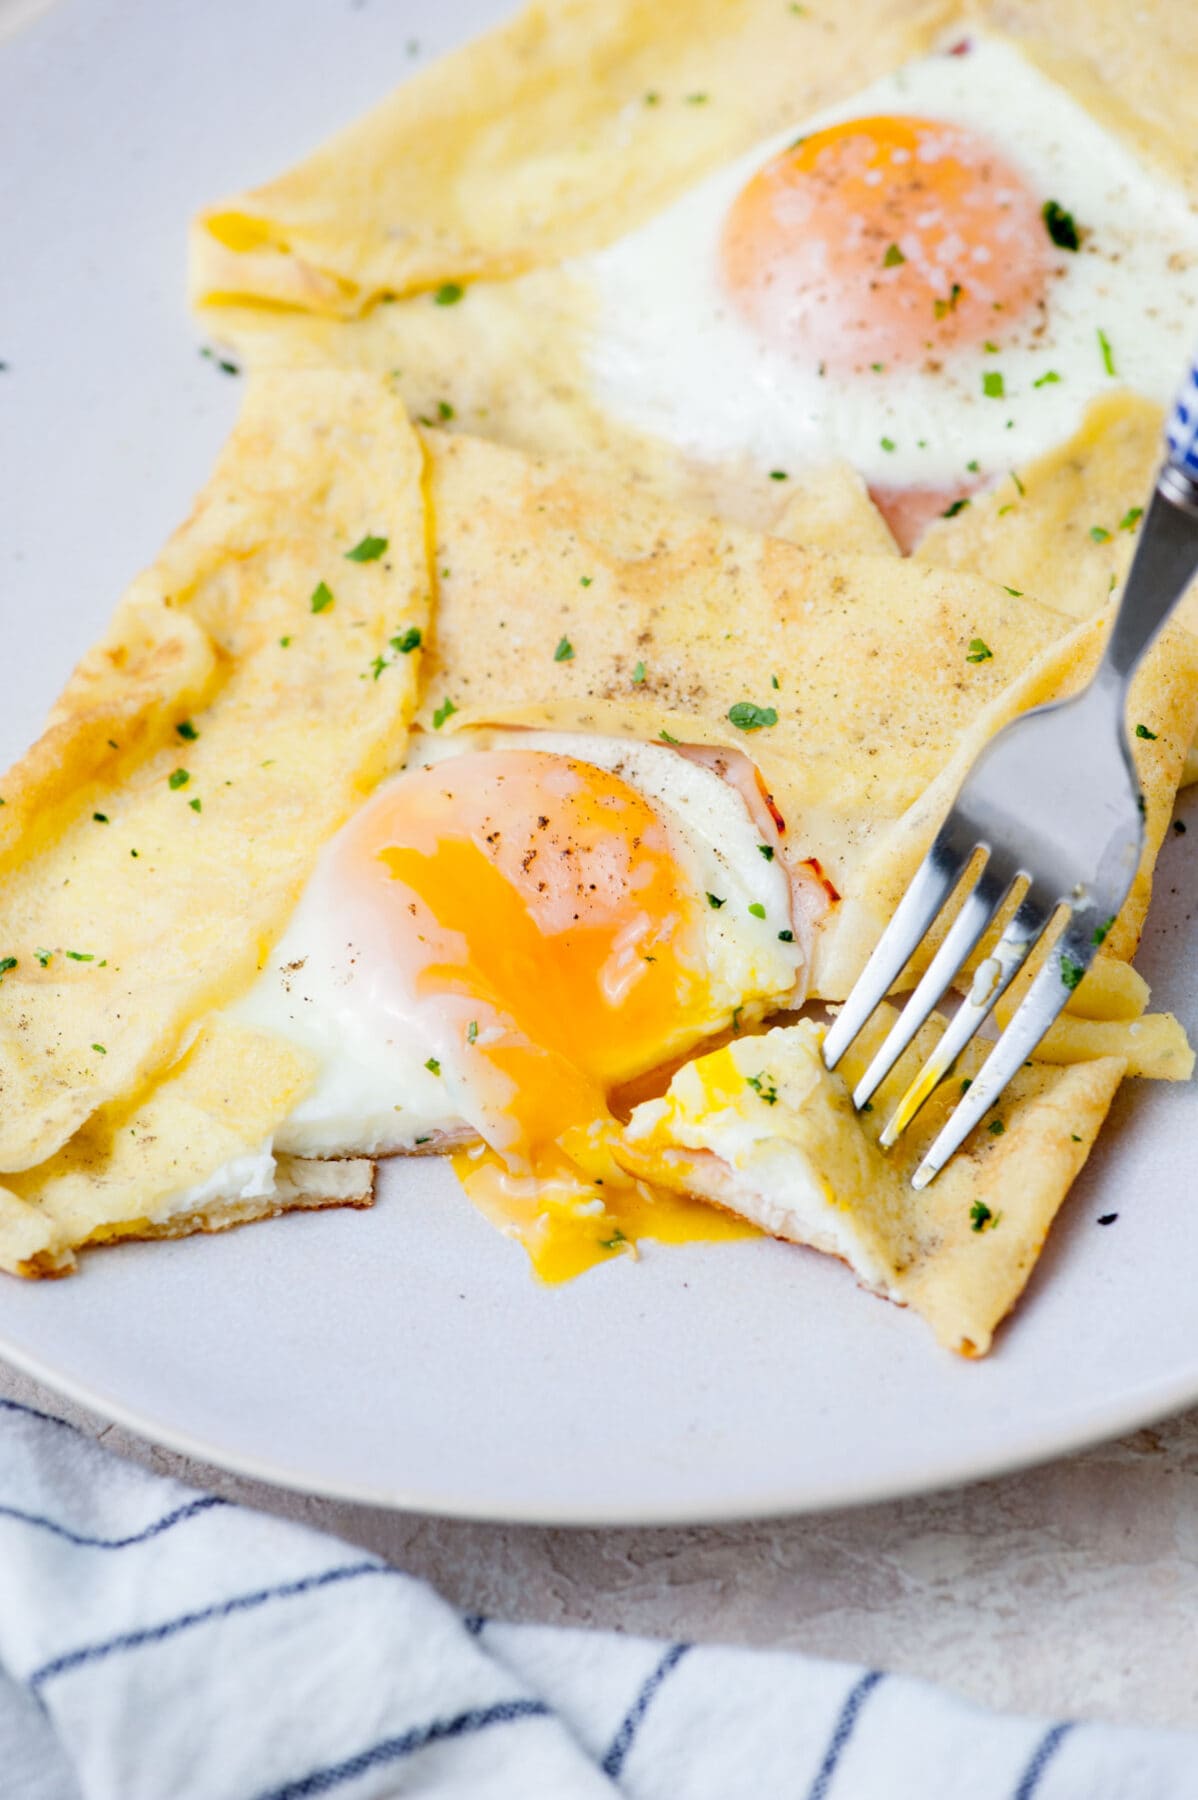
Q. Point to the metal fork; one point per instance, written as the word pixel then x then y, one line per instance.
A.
pixel 1052 807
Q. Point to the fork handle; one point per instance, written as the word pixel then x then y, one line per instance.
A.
pixel 1166 556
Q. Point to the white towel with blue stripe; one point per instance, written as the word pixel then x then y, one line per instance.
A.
pixel 159 1644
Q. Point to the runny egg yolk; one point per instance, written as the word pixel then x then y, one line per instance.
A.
pixel 535 927
pixel 885 241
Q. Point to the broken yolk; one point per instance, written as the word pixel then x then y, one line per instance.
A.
pixel 540 932
pixel 885 241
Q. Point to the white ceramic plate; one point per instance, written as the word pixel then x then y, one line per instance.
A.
pixel 404 1356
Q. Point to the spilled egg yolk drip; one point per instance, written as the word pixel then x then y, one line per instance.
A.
pixel 885 240
pixel 544 938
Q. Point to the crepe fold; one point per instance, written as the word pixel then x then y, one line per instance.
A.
pixel 155 839
pixel 863 661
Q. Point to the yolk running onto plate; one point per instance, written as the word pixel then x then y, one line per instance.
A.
pixel 885 240
pixel 536 927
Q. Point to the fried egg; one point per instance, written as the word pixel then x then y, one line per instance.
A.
pixel 931 279
pixel 511 929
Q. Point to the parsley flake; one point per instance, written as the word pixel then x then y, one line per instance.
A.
pixel 955 507
pixel 996 1128
pixel 444 410
pixel 993 385
pixel 1108 355
pixel 757 909
pixel 978 652
pixel 786 937
pixel 472 1031
pixel 1071 972
pixel 1017 593
pixel 284 643
pixel 748 717
pixel 638 674
pixel 1100 932
pixel 1131 518
pixel 1142 731
pixel 43 957
pixel 322 597
pixel 433 1066
pixel 665 737
pixel 100 818
pixel 100 1049
pixel 767 850
pixel 763 1084
pixel 196 805
pixel 445 711
pixel 7 963
pixel 940 308
pixel 369 549
pixel 893 257
pixel 980 1216
pixel 779 475
pixel 585 580
pixel 79 955
pixel 178 778
pixel 1060 226
pixel 1100 534
pixel 448 294
pixel 714 901
pixel 1047 379
pixel 564 651
pixel 887 444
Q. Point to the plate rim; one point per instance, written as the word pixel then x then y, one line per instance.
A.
pixel 1048 1444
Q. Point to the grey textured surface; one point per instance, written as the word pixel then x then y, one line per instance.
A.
pixel 1070 1589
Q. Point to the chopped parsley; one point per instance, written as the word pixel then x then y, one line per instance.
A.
pixel 757 909
pixel 1108 355
pixel 284 642
pixel 7 963
pixel 763 1084
pixel 1142 731
pixel 1019 487
pixel 433 1066
pixel 736 1012
pixel 767 850
pixel 617 1237
pixel 1047 379
pixel 1060 226
pixel 99 1048
pixel 978 652
pixel 1131 518
pixel 996 1128
pixel 748 717
pixel 786 937
pixel 1100 534
pixel 1071 972
pixel 779 475
pixel 1100 932
pixel 43 957
pixel 100 818
pixel 775 683
pixel 714 901
pixel 196 805
pixel 940 308
pixel 585 580
pixel 893 257
pixel 638 674
pixel 665 737
pixel 178 778
pixel 407 641
pixel 187 731
pixel 472 1031
pixel 445 711
pixel 1017 593
pixel 564 651
pixel 966 1084
pixel 887 444
pixel 954 507
pixel 369 549
pixel 79 955
pixel 378 665
pixel 980 1216
pixel 322 597
pixel 448 294
pixel 697 99
pixel 444 410
pixel 652 98
pixel 993 385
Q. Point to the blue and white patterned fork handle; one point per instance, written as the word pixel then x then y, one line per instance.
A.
pixel 1182 429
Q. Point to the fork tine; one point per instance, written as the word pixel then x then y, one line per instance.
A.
pixel 990 982
pixel 1045 1000
pixel 977 911
pixel 931 885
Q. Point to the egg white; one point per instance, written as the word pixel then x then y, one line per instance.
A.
pixel 322 990
pixel 668 353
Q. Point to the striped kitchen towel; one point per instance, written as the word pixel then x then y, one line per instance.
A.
pixel 159 1644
